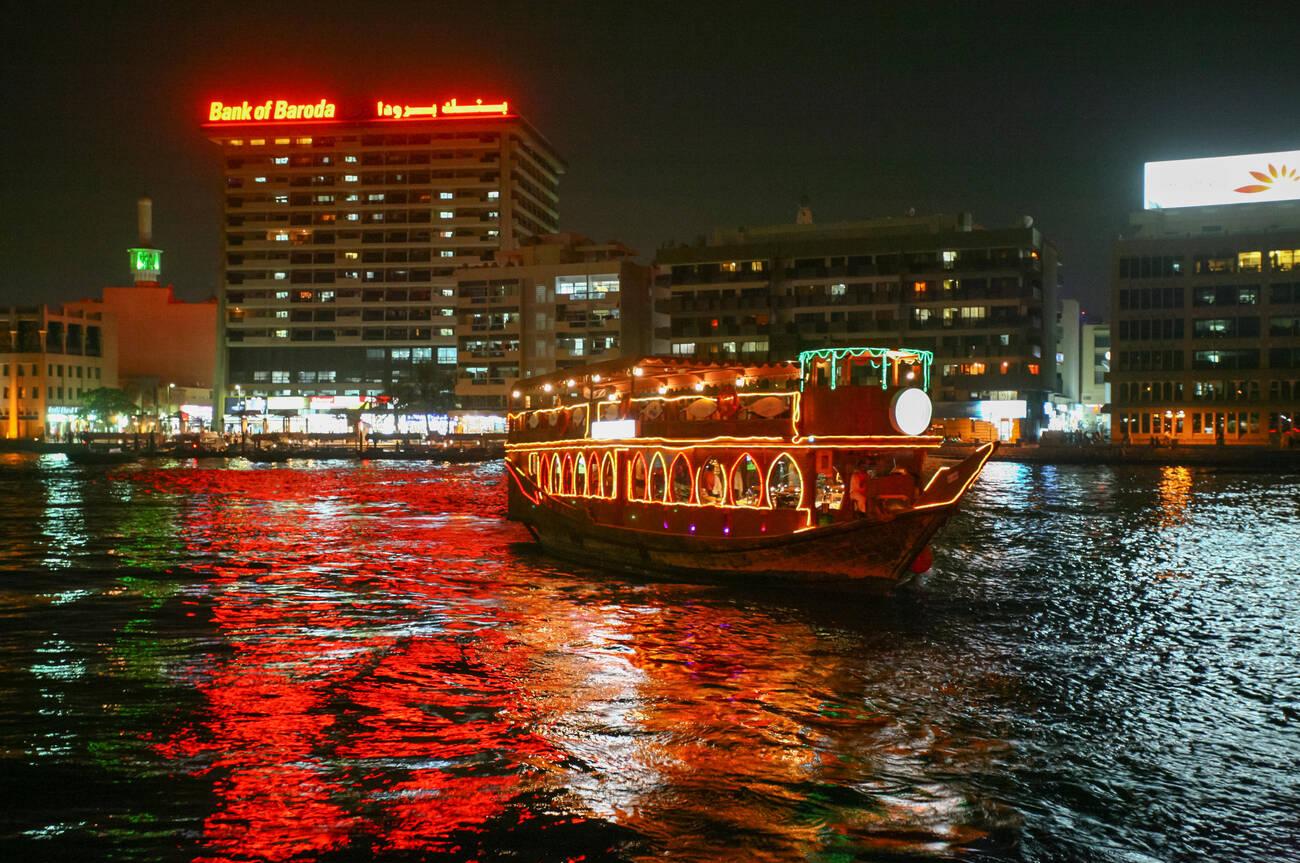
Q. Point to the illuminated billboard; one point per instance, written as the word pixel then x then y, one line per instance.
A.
pixel 1253 178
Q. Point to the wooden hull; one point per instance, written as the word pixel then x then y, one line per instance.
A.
pixel 876 554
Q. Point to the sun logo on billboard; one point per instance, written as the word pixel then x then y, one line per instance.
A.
pixel 1266 181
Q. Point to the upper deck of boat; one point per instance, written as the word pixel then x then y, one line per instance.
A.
pixel 840 393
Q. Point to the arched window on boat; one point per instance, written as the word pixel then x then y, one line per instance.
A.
pixel 679 480
pixel 658 478
pixel 784 483
pixel 746 482
pixel 636 478
pixel 607 476
pixel 580 475
pixel 567 478
pixel 711 482
pixel 531 466
pixel 553 483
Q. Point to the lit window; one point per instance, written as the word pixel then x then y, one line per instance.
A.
pixel 445 196
pixel 280 141
pixel 918 288
pixel 446 331
pixel 949 259
pixel 446 234
pixel 1284 260
pixel 493 232
pixel 1249 262
pixel 281 313
pixel 351 256
pixel 279 377
pixel 350 159
pixel 375 196
pixel 447 356
pixel 259 179
pixel 279 236
pixel 492 214
pixel 353 217
pixel 446 253
pixel 446 214
pixel 1033 368
pixel 684 349
pixel 839 290
pixel 236 142
pixel 448 292
pixel 281 160
pixel 282 295
pixel 493 195
pixel 327 296
pixel 305 142
pixel 257 142
pixel 349 178
pixel 729 266
pixel 354 197
pixel 282 334
pixel 282 199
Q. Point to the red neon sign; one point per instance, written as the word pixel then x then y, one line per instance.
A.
pixel 271 110
pixel 449 108
pixel 287 111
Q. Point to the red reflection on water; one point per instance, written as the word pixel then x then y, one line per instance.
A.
pixel 387 675
pixel 400 703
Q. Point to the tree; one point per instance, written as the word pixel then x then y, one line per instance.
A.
pixel 432 390
pixel 101 405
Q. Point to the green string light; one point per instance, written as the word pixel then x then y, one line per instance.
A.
pixel 881 355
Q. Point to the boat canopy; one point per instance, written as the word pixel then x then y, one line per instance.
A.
pixel 886 367
pixel 646 375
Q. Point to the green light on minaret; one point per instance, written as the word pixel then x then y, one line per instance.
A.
pixel 146 264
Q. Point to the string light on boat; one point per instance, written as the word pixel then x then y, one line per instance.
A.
pixel 570 383
pixel 595 379
pixel 546 388
pixel 638 372
pixel 663 391
pixel 699 387
pixel 514 394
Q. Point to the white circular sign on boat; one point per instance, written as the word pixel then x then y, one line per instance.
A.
pixel 910 411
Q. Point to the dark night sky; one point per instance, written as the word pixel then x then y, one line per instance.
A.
pixel 674 118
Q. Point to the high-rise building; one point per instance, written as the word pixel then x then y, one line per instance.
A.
pixel 1205 303
pixel 983 300
pixel 343 230
pixel 555 302
pixel 50 358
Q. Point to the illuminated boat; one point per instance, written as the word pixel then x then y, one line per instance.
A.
pixel 812 470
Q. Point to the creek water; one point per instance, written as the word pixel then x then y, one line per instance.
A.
pixel 354 661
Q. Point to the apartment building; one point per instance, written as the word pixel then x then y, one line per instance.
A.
pixel 49 359
pixel 1205 306
pixel 343 230
pixel 983 300
pixel 555 302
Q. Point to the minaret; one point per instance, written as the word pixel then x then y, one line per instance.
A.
pixel 146 262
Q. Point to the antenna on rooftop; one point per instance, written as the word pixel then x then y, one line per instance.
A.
pixel 803 216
